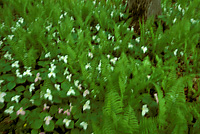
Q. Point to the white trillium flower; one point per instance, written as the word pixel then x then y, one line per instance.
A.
pixel 69 77
pixel 130 45
pixel 97 27
pixel 66 71
pixel 9 110
pixel 137 39
pixel 47 55
pixel 87 66
pixel 48 95
pixel 71 91
pixel 32 101
pixel 8 56
pixel 15 98
pixel 51 74
pixel 86 105
pixel 31 88
pixel 2 94
pixel 90 55
pixel 27 72
pixel 144 49
pixel 113 60
pixel 67 122
pixel 86 92
pixel 57 86
pixel 47 120
pixel 10 37
pixel 144 110
pixel 175 52
pixel 15 64
pixel 18 74
pixel 84 125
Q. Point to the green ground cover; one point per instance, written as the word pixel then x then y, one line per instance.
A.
pixel 79 67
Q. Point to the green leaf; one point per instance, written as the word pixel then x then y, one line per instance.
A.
pixel 57 99
pixel 34 131
pixel 27 94
pixel 53 109
pixel 65 85
pixel 49 127
pixel 75 131
pixel 20 89
pixel 59 122
pixel 11 85
pixel 20 80
pixel 37 124
pixel 60 78
pixel 1 105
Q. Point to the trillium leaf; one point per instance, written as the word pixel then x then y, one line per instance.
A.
pixel 20 80
pixel 49 127
pixel 59 122
pixel 53 109
pixel 34 131
pixel 37 124
pixel 11 85
pixel 20 89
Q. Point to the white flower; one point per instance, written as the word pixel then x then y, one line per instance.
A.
pixel 61 16
pixel 90 55
pixel 86 105
pixel 193 21
pixel 174 20
pixel 97 27
pixel 137 39
pixel 31 88
pixel 87 66
pixel 117 47
pixel 57 86
pixel 144 110
pixel 48 95
pixel 13 29
pixel 47 120
pixel 2 94
pixel 181 53
pixel 7 56
pixel 98 40
pixel 1 81
pixel 15 64
pixel 113 60
pixel 121 15
pixel 144 49
pixel 27 72
pixel 64 58
pixel 175 52
pixel 84 125
pixel 148 77
pixel 52 68
pixel 94 37
pixel 15 98
pixel 71 91
pixel 111 14
pixel 72 18
pixel 76 83
pixel 108 56
pixel 66 121
pixel 86 92
pixel 66 71
pixel 21 20
pixel 69 77
pixel 51 74
pixel 73 30
pixel 9 110
pixel 130 45
pixel 10 36
pixel 18 73
pixel 32 101
pixel 47 55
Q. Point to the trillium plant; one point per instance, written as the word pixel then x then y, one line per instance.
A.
pixel 95 67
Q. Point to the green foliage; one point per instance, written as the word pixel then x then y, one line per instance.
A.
pixel 78 67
